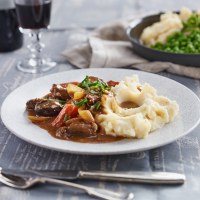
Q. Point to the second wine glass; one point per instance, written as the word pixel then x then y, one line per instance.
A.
pixel 33 17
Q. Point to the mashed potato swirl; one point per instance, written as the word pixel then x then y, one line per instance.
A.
pixel 134 110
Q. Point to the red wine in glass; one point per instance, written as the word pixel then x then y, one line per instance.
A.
pixel 33 17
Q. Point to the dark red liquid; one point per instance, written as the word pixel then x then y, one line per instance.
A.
pixel 34 16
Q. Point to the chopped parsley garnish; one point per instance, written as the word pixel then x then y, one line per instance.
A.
pixel 81 102
pixel 95 92
pixel 85 83
pixel 62 102
pixel 95 87
pixel 97 105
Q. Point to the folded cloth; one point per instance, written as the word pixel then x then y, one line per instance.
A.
pixel 108 46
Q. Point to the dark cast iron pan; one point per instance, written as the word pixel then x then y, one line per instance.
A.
pixel 134 32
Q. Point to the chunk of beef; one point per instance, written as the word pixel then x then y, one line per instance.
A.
pixel 112 83
pixel 62 132
pixel 59 92
pixel 93 78
pixel 47 108
pixel 77 126
pixel 30 105
pixel 92 99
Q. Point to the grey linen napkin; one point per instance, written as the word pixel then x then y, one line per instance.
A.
pixel 108 46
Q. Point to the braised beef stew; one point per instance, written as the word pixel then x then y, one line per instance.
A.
pixel 68 111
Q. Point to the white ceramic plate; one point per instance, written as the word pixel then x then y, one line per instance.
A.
pixel 14 116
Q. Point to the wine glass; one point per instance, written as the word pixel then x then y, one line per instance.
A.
pixel 33 17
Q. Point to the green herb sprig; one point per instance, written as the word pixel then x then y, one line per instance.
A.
pixel 97 105
pixel 94 87
pixel 81 102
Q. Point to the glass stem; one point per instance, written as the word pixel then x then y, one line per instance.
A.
pixel 36 47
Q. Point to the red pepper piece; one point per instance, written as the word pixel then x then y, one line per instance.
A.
pixel 70 110
pixel 112 83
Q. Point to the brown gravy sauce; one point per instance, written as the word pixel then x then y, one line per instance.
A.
pixel 100 137
pixel 128 104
